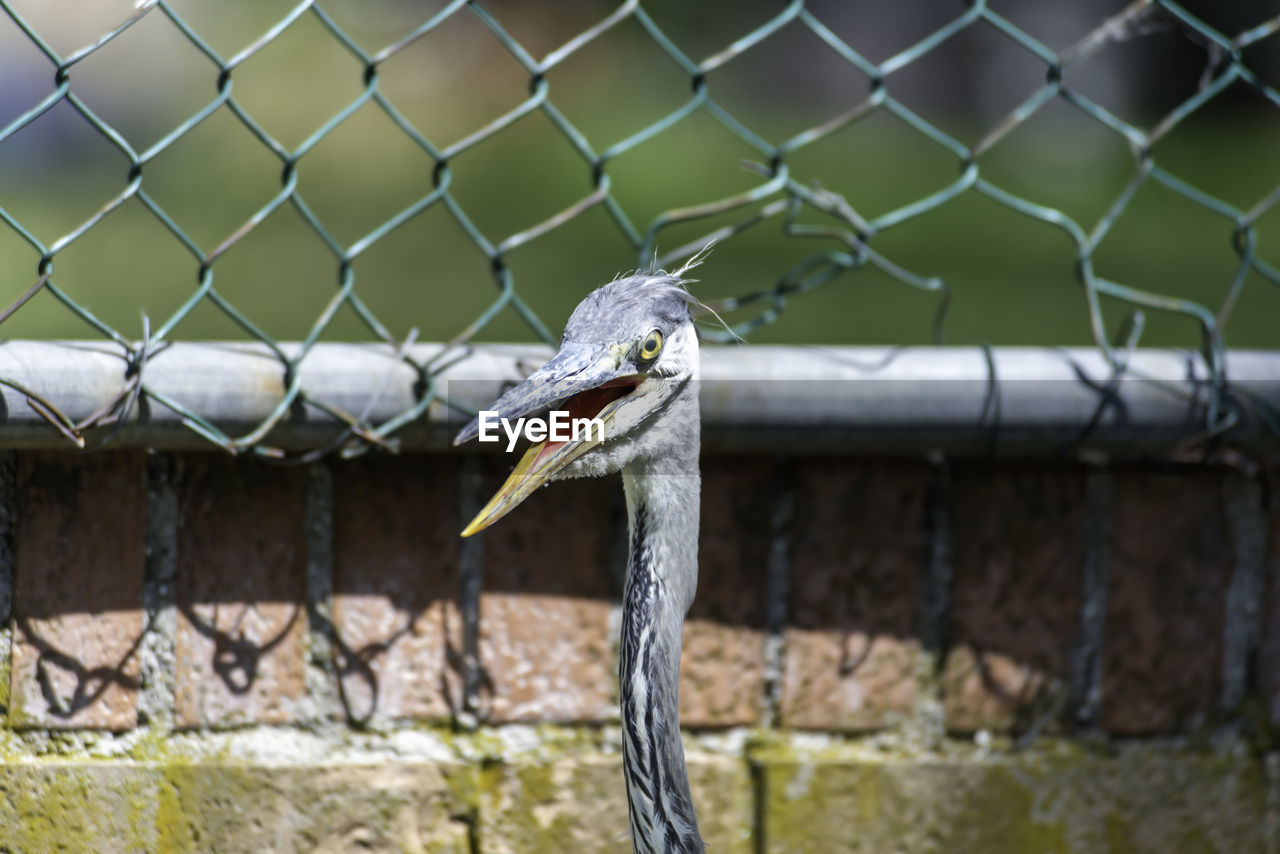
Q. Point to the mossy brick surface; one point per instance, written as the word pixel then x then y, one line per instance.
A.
pixel 67 806
pixel 210 807
pixel 579 804
pixel 1138 802
pixel 1141 800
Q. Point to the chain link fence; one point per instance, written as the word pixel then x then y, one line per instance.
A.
pixel 836 236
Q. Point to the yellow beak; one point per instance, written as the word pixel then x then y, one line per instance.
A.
pixel 519 486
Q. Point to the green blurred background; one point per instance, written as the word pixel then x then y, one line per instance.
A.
pixel 1013 279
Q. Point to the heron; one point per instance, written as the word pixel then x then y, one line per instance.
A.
pixel 629 357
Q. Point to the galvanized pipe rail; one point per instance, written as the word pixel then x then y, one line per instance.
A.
pixel 864 399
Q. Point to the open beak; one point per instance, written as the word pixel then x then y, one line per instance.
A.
pixel 586 383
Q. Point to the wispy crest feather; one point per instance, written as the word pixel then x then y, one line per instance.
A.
pixel 652 289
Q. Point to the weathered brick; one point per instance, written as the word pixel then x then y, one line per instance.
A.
pixel 1141 800
pixel 1170 565
pixel 203 805
pixel 1018 561
pixel 722 665
pixel 242 617
pixel 1269 654
pixel 77 806
pixel 79 564
pixel 395 585
pixel 544 612
pixel 579 803
pixel 851 646
pixel 382 807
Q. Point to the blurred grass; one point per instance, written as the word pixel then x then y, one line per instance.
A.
pixel 1012 278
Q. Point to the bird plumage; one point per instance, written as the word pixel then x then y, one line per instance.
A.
pixel 652 438
pixel 656 594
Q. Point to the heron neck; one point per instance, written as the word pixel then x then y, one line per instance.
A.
pixel 662 568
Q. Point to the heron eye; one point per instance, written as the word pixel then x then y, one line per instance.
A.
pixel 652 346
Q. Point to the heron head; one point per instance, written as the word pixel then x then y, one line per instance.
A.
pixel 628 352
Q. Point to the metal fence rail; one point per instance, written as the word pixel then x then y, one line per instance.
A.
pixel 1014 400
pixel 777 197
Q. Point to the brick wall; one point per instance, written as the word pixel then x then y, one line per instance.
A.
pixel 902 654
